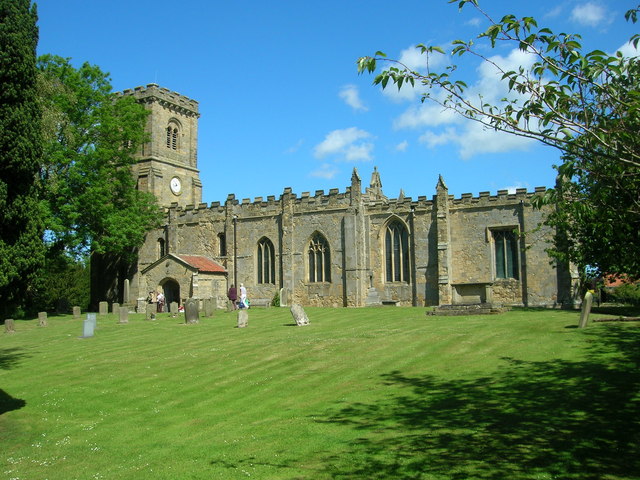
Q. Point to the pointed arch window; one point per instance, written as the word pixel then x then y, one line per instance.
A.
pixel 173 136
pixel 161 248
pixel 319 259
pixel 266 261
pixel 506 253
pixel 397 252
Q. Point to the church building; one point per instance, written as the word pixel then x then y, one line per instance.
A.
pixel 350 248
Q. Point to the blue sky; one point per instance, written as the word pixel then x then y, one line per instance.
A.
pixel 280 99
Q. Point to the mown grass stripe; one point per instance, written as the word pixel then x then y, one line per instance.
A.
pixel 390 388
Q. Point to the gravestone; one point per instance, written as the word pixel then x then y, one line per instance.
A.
pixel 125 295
pixel 150 311
pixel 284 297
pixel 299 315
pixel 89 325
pixel 210 305
pixel 142 305
pixel 103 308
pixel 124 315
pixel 586 310
pixel 115 308
pixel 173 307
pixel 42 319
pixel 76 312
pixel 9 326
pixel 243 318
pixel 191 313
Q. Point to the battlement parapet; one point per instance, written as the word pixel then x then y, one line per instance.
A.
pixel 153 92
pixel 502 196
pixel 272 205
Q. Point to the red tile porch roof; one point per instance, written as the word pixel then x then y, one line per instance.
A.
pixel 203 264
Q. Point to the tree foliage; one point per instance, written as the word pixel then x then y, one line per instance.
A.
pixel 584 103
pixel 91 135
pixel 21 225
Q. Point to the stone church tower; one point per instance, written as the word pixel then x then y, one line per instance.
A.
pixel 354 248
pixel 167 165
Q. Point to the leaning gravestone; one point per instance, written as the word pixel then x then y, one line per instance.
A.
pixel 124 314
pixel 191 313
pixel 89 325
pixel 299 315
pixel 76 312
pixel 42 319
pixel 243 318
pixel 103 308
pixel 586 310
pixel 9 326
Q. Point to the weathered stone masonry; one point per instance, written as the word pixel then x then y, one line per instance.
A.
pixel 437 251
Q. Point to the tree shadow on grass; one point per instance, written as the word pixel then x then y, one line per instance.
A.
pixel 8 403
pixel 530 420
pixel 9 357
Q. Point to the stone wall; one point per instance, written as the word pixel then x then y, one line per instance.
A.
pixel 450 253
pixel 356 236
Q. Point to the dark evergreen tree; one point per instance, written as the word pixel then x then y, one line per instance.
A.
pixel 21 225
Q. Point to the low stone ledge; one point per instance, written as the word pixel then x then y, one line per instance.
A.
pixel 469 309
pixel 260 302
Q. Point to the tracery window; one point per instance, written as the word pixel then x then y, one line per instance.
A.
pixel 506 253
pixel 397 252
pixel 319 259
pixel 266 261
pixel 172 136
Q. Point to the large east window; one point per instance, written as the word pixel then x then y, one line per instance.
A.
pixel 396 243
pixel 266 261
pixel 319 259
pixel 506 253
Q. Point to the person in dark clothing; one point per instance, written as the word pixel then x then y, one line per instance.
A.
pixel 233 296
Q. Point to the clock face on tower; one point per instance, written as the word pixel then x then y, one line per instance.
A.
pixel 176 185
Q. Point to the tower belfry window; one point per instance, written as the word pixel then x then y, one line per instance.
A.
pixel 172 136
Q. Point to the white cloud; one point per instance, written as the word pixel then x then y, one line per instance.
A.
pixel 347 143
pixel 512 188
pixel 628 50
pixel 326 170
pixel 359 153
pixel 351 96
pixel 554 12
pixel 590 14
pixel 474 22
pixel 471 138
pixel 402 146
pixel 420 62
pixel 425 114
pixel 294 148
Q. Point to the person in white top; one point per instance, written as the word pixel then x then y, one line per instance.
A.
pixel 243 296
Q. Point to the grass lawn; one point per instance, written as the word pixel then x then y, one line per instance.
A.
pixel 376 393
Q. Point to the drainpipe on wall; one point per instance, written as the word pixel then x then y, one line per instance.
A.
pixel 235 251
